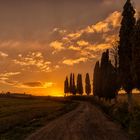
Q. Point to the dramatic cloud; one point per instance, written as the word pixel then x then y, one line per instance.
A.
pixel 111 22
pixel 89 41
pixel 34 59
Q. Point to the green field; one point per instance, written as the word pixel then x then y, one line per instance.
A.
pixel 21 116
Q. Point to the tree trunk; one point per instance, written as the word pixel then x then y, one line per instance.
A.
pixel 130 102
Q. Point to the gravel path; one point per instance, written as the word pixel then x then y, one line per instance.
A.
pixel 86 122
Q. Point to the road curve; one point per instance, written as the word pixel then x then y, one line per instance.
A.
pixel 86 122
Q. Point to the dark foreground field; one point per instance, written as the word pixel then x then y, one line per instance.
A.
pixel 20 116
pixel 70 118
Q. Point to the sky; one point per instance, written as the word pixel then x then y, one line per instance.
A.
pixel 43 41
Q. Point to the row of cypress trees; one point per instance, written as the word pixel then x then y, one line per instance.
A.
pixel 109 79
pixel 125 73
pixel 71 88
pixel 105 83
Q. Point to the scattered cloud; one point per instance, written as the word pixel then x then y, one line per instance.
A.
pixel 99 47
pixel 89 40
pixel 9 74
pixel 60 31
pixel 57 45
pixel 104 26
pixel 74 48
pixel 5 78
pixel 34 59
pixel 3 55
pixel 74 61
pixel 82 43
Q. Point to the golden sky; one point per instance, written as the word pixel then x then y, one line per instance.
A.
pixel 42 41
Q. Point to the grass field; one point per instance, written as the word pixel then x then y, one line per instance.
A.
pixel 119 113
pixel 21 116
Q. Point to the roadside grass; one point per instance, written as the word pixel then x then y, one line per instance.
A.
pixel 19 117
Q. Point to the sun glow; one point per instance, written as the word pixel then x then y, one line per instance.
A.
pixel 57 92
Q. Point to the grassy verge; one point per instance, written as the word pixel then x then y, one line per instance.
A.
pixel 119 113
pixel 19 117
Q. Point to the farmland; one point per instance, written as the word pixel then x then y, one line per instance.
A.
pixel 21 116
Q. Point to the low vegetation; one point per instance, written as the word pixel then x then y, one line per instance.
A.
pixel 21 116
pixel 119 112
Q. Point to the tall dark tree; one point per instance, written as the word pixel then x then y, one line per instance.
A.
pixel 103 73
pixel 136 54
pixel 110 82
pixel 115 59
pixel 96 79
pixel 66 86
pixel 105 85
pixel 87 84
pixel 73 85
pixel 79 84
pixel 125 49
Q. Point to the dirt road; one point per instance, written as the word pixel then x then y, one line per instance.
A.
pixel 86 122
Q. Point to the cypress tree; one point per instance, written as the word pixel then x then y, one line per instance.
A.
pixel 71 84
pixel 103 73
pixel 96 79
pixel 115 59
pixel 79 84
pixel 87 85
pixel 66 86
pixel 136 54
pixel 105 78
pixel 110 83
pixel 125 49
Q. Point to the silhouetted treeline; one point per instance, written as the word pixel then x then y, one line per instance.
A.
pixel 108 79
pixel 105 78
pixel 71 88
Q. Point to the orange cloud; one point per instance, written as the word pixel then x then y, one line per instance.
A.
pixel 99 47
pixel 74 48
pixel 82 43
pixel 5 77
pixel 34 59
pixel 57 45
pixel 2 54
pixel 113 20
pixel 74 61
